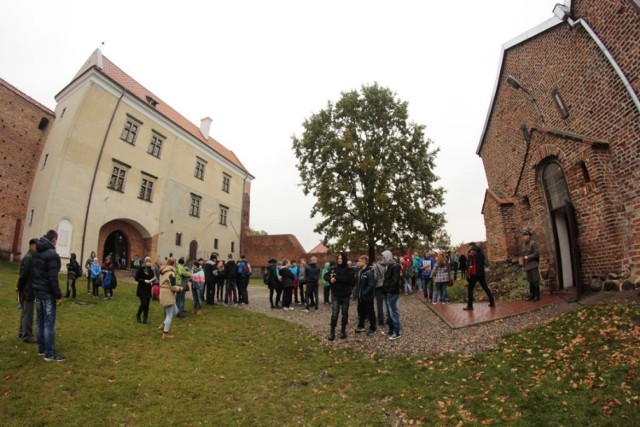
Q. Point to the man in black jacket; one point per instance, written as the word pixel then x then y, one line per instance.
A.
pixel 44 269
pixel 26 295
pixel 475 274
pixel 210 269
pixel 364 291
pixel 341 282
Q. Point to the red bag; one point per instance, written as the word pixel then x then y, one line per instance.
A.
pixel 471 271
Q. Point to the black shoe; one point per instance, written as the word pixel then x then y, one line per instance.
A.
pixel 371 332
pixel 492 304
pixel 30 340
pixel 138 319
pixel 360 329
pixel 468 308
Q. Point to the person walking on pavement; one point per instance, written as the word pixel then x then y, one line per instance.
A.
pixel 475 273
pixel 530 257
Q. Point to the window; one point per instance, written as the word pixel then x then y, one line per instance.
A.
pixel 215 243
pixel 200 168
pixel 46 157
pixel 223 215
pixel 118 176
pixel 43 123
pixel 156 145
pixel 226 182
pixel 194 210
pixel 146 187
pixel 130 131
pixel 564 113
pixel 555 185
pixel 178 239
pixel 31 217
pixel 233 247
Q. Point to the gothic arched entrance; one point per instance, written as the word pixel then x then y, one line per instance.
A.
pixel 193 250
pixel 563 223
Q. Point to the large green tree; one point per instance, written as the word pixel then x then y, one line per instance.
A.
pixel 371 172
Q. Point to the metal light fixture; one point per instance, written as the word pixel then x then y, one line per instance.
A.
pixel 515 83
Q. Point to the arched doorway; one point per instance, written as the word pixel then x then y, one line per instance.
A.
pixel 193 250
pixel 563 223
pixel 116 244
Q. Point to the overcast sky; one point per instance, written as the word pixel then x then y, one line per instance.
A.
pixel 259 68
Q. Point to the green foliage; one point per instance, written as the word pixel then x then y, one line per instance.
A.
pixel 371 171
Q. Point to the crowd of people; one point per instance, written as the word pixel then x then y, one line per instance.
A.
pixel 375 286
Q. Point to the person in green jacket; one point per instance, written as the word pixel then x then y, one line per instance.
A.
pixel 182 279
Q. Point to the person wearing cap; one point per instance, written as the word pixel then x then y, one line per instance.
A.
pixel 26 296
pixel 530 257
pixel 146 277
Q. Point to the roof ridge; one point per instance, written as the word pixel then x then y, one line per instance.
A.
pixel 26 97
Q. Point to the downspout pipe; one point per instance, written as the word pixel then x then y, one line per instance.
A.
pixel 95 174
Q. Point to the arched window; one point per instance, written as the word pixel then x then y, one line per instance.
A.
pixel 555 185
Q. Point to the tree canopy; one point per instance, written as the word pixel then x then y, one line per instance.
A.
pixel 371 172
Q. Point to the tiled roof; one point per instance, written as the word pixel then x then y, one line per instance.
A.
pixel 319 249
pixel 25 97
pixel 112 71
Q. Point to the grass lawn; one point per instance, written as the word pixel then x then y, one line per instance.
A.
pixel 233 367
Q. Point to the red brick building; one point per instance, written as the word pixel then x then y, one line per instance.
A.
pixel 561 145
pixel 24 126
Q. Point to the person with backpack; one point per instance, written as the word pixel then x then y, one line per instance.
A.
pixel 230 275
pixel 475 274
pixel 242 278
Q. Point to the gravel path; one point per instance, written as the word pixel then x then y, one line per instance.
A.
pixel 422 330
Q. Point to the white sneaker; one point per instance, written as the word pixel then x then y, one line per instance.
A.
pixel 394 337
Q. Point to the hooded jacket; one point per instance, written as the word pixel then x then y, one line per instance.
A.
pixel 344 278
pixel 365 284
pixel 45 266
pixel 392 274
pixel 167 286
pixel 476 261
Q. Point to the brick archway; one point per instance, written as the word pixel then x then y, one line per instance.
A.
pixel 138 243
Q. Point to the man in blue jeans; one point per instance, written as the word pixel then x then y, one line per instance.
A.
pixel 391 285
pixel 341 282
pixel 44 269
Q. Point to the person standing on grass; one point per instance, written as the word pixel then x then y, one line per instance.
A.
pixel 341 278
pixel 182 280
pixel 273 282
pixel 168 290
pixel 311 278
pixel 243 273
pixel 220 281
pixel 379 269
pixel 230 274
pixel 441 275
pixel 108 278
pixel 74 271
pixel 87 266
pixel 210 272
pixel 96 277
pixel 392 280
pixel 364 291
pixel 26 295
pixel 197 285
pixel 475 274
pixel 44 269
pixel 145 277
pixel 530 257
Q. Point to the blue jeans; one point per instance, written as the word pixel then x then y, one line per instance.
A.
pixel 393 318
pixel 197 296
pixel 441 288
pixel 180 302
pixel 338 304
pixel 46 324
pixel 380 304
pixel 169 312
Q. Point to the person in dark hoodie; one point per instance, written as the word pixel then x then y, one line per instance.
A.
pixel 26 295
pixel 364 291
pixel 475 274
pixel 391 287
pixel 44 269
pixel 312 276
pixel 341 282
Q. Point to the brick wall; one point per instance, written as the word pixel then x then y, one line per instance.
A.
pixel 597 146
pixel 21 144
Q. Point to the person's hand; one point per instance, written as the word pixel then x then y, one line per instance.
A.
pixel 59 301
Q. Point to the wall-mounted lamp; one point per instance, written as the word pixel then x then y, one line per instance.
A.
pixel 515 83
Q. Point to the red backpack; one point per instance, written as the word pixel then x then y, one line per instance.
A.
pixel 471 271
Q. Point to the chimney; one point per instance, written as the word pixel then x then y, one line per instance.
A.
pixel 205 126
